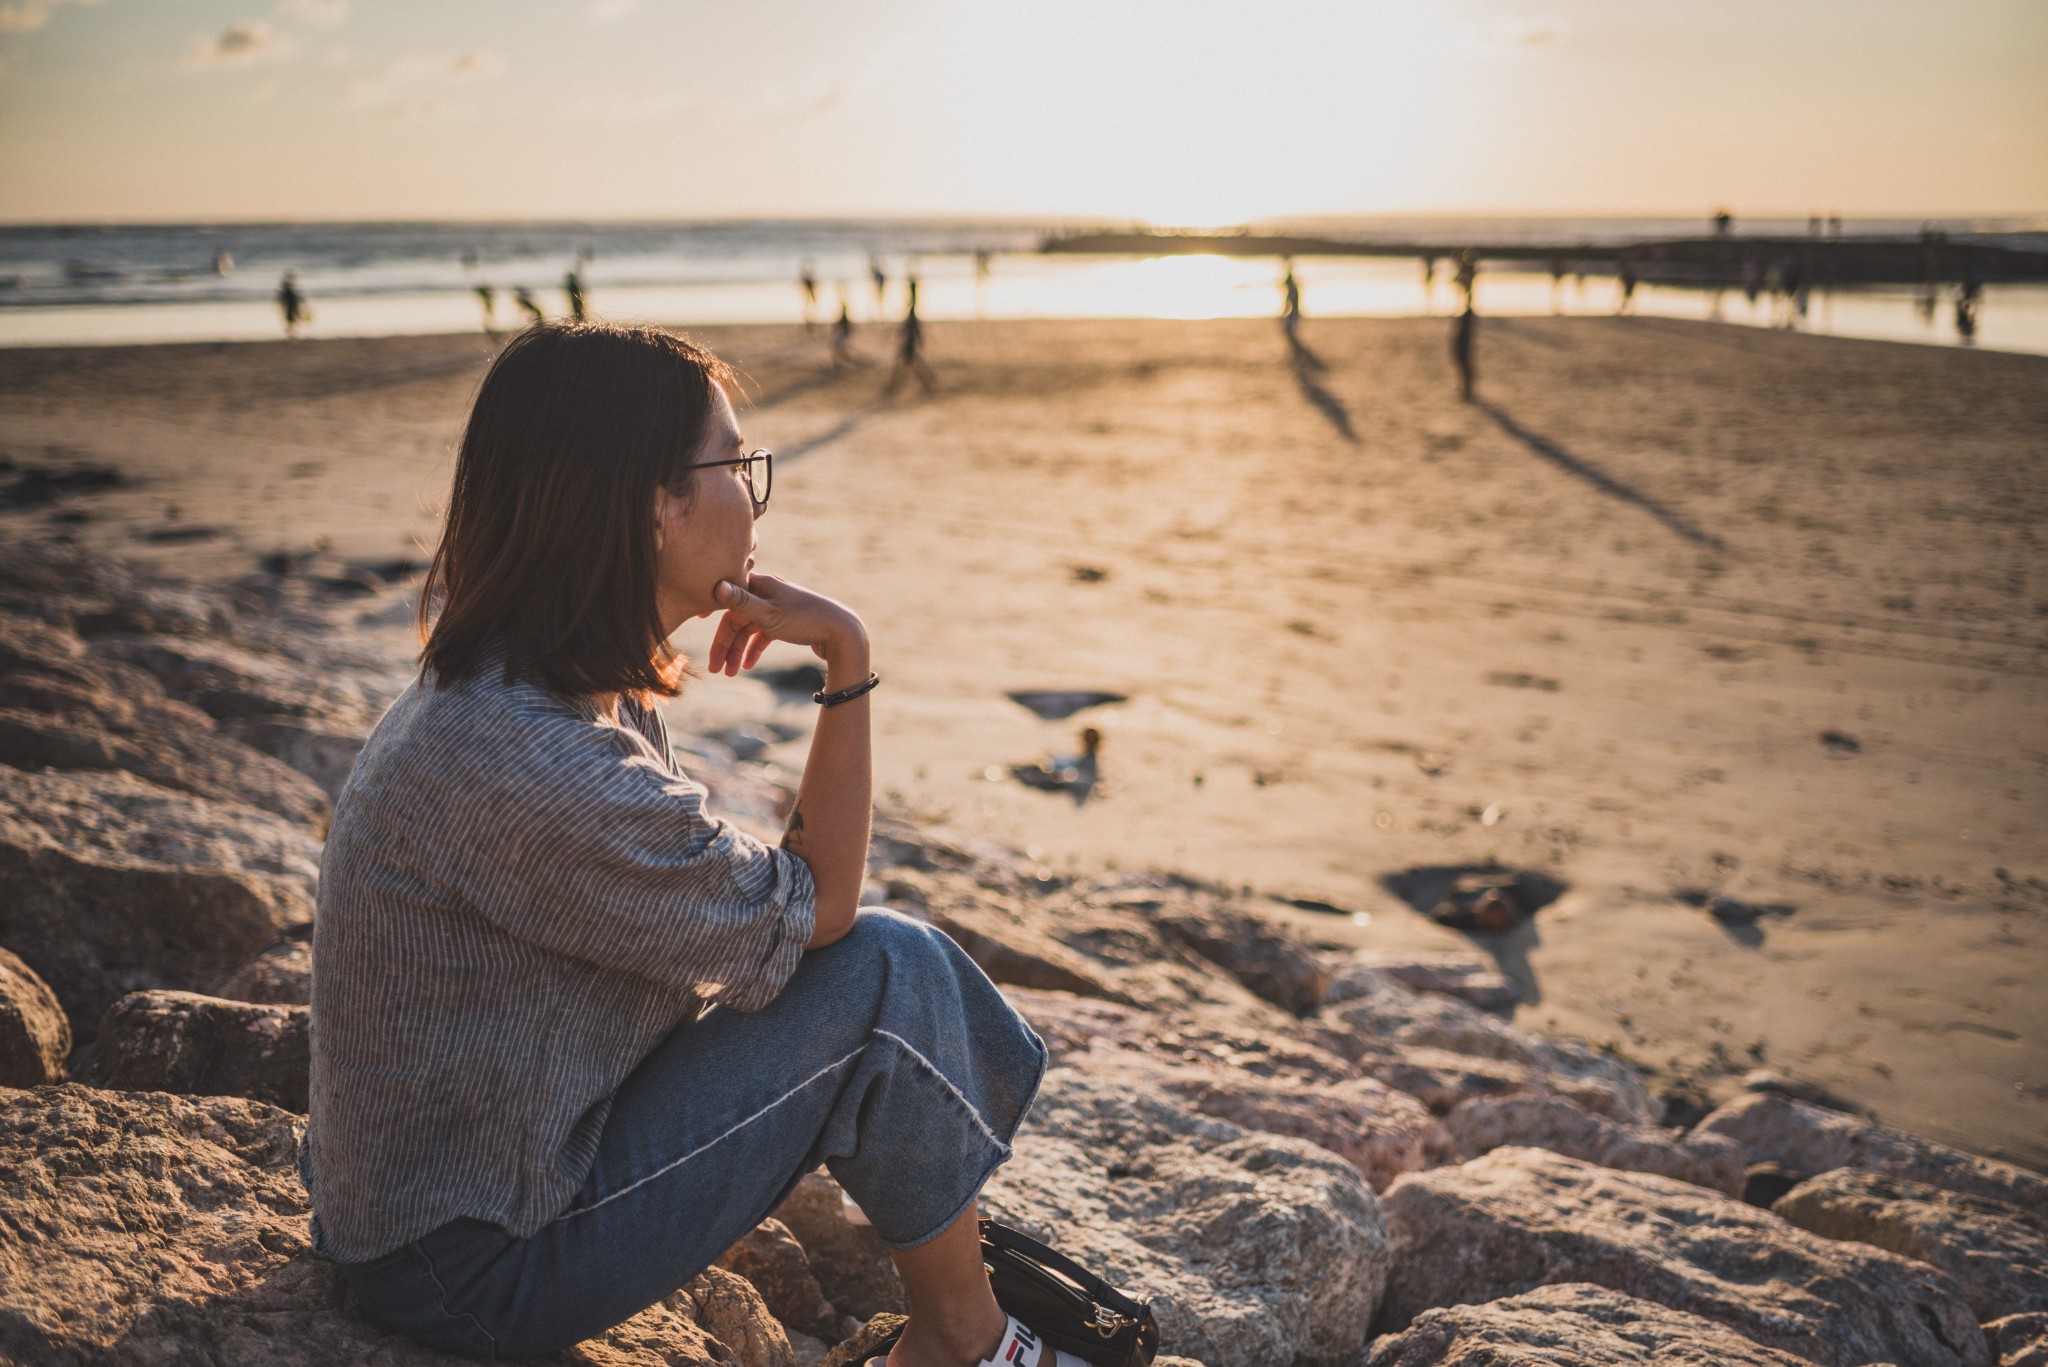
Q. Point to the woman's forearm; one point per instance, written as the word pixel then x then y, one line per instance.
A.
pixel 828 829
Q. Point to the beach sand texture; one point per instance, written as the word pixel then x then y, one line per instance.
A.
pixel 1686 610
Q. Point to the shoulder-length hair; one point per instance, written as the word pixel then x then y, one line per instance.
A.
pixel 548 550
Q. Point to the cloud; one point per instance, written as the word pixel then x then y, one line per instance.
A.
pixel 413 86
pixel 26 16
pixel 611 11
pixel 319 13
pixel 1524 33
pixel 239 44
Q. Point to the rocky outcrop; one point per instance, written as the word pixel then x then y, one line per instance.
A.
pixel 1254 1250
pixel 1803 1140
pixel 280 973
pixel 35 1039
pixel 1997 1256
pixel 143 1228
pixel 1472 980
pixel 324 752
pixel 228 681
pixel 1573 1325
pixel 1267 959
pixel 1548 1122
pixel 109 884
pixel 1385 1029
pixel 2019 1340
pixel 771 1258
pixel 1518 1219
pixel 849 1260
pixel 203 1046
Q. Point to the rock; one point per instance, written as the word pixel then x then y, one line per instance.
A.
pixel 163 1041
pixel 850 1261
pixel 35 1039
pixel 189 759
pixel 1268 959
pixel 1470 979
pixel 324 753
pixel 771 1258
pixel 1483 1124
pixel 871 1341
pixel 1254 1250
pixel 226 681
pixel 1572 1325
pixel 1518 1219
pixel 280 973
pixel 1013 958
pixel 1382 1026
pixel 2019 1340
pixel 109 884
pixel 76 588
pixel 1260 1081
pixel 143 1228
pixel 1995 1254
pixel 1484 902
pixel 1805 1141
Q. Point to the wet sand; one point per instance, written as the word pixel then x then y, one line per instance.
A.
pixel 1676 611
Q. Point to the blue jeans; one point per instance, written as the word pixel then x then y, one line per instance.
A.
pixel 889 1057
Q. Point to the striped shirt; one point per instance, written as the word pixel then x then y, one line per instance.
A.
pixel 518 900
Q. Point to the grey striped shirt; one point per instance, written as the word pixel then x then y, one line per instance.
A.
pixel 517 902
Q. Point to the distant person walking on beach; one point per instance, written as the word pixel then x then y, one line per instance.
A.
pixel 1969 298
pixel 488 297
pixel 1290 304
pixel 881 279
pixel 1627 273
pixel 574 286
pixel 807 283
pixel 1468 275
pixel 910 349
pixel 292 305
pixel 525 301
pixel 1462 336
pixel 842 335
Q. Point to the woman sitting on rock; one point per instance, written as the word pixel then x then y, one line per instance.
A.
pixel 573 1034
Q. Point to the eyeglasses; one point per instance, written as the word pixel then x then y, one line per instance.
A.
pixel 759 468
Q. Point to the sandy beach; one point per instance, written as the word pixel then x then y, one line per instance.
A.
pixel 1677 611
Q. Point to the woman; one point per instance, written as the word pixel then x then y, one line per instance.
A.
pixel 573 1035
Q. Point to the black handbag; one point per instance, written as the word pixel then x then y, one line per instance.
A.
pixel 1070 1307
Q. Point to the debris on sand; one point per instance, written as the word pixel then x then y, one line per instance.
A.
pixel 1057 704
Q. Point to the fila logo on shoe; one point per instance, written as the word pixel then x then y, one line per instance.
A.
pixel 1021 1342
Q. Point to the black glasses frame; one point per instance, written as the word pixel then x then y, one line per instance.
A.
pixel 759 493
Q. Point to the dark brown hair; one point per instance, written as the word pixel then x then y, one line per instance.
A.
pixel 548 548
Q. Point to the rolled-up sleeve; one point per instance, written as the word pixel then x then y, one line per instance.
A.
pixel 612 858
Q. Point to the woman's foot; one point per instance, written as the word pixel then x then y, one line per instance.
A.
pixel 1017 1346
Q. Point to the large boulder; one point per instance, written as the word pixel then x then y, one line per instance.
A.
pixel 849 1259
pixel 2019 1340
pixel 161 1041
pixel 1802 1140
pixel 1483 1124
pixel 324 752
pixel 1471 979
pixel 1518 1219
pixel 280 973
pixel 224 680
pixel 35 1038
pixel 1572 1325
pixel 771 1258
pixel 1996 1254
pixel 1382 1027
pixel 1266 957
pixel 1254 1250
pixel 109 884
pixel 148 1229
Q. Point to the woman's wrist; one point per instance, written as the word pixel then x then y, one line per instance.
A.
pixel 847 658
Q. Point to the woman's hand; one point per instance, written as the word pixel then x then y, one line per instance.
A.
pixel 770 609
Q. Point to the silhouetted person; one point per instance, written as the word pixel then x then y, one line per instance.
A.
pixel 807 283
pixel 1290 305
pixel 291 304
pixel 525 301
pixel 1557 269
pixel 842 335
pixel 1468 275
pixel 1969 297
pixel 881 279
pixel 910 349
pixel 574 285
pixel 1462 336
pixel 1724 223
pixel 1628 277
pixel 488 297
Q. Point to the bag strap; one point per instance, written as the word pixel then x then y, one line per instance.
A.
pixel 1101 1292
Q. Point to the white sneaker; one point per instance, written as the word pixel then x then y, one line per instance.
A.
pixel 1020 1346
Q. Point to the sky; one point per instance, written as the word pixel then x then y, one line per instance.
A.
pixel 1196 112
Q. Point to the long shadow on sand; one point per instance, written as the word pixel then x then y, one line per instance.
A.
pixel 846 426
pixel 1600 479
pixel 1306 364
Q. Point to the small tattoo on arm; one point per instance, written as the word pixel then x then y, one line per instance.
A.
pixel 793 837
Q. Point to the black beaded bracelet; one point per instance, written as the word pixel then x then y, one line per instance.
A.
pixel 847 694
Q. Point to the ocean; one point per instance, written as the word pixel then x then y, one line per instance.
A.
pixel 84 284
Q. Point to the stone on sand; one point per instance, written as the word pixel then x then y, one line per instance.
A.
pixel 1483 1124
pixel 1517 1219
pixel 1574 1324
pixel 162 1041
pixel 1803 1140
pixel 35 1038
pixel 110 884
pixel 144 1228
pixel 1254 1250
pixel 1995 1253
